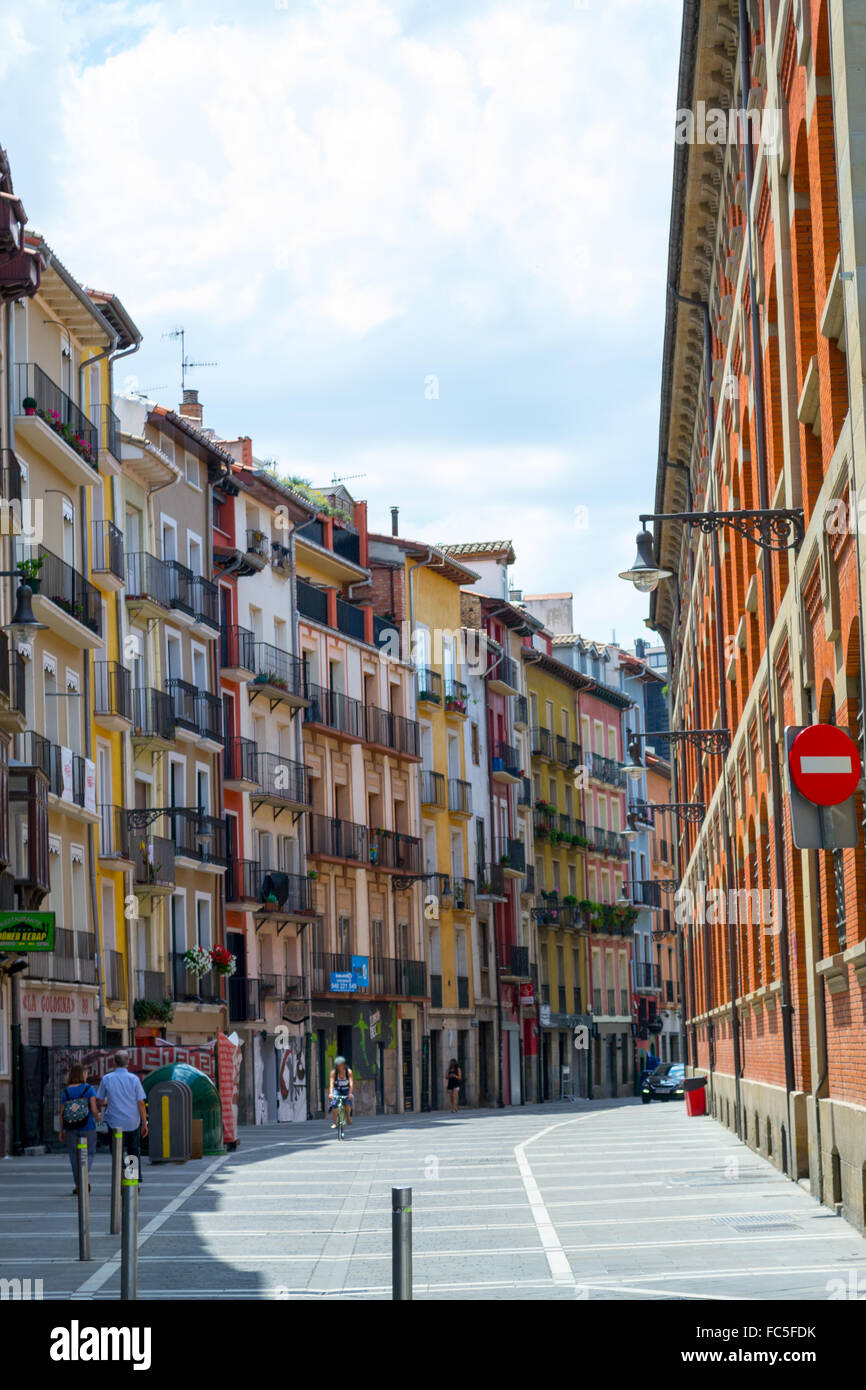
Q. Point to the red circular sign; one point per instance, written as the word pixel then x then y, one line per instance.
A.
pixel 825 764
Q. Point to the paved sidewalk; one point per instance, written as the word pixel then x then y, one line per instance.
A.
pixel 609 1201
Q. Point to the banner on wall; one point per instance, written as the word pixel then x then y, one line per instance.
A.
pixel 66 774
pixel 89 785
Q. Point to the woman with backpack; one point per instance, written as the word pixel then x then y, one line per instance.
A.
pixel 78 1116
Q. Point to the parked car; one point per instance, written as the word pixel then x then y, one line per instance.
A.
pixel 665 1083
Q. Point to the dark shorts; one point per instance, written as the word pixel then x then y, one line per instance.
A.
pixel 453 1083
pixel 347 1101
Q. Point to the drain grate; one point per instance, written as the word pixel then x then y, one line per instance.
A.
pixel 758 1223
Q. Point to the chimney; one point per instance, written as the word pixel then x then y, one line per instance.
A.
pixel 395 512
pixel 190 408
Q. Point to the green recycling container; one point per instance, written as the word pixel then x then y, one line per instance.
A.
pixel 205 1101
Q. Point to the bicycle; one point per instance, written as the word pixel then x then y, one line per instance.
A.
pixel 340 1116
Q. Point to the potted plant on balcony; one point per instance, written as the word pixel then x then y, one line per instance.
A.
pixel 29 404
pixel 313 874
pixel 29 571
pixel 197 961
pixel 148 1010
pixel 505 860
pixel 224 963
pixel 486 885
pixel 570 900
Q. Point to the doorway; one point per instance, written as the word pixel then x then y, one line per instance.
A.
pixel 408 1065
pixel 435 1067
pixel 483 1064
pixel 514 1065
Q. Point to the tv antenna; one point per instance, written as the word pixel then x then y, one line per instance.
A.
pixel 185 364
pixel 347 478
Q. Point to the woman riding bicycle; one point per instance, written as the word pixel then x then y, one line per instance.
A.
pixel 342 1086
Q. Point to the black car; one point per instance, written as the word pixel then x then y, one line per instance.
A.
pixel 665 1083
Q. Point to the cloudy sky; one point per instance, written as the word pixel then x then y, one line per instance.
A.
pixel 424 243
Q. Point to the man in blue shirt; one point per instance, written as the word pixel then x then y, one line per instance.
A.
pixel 121 1102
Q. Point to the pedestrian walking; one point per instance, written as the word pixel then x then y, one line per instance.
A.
pixel 78 1114
pixel 122 1102
pixel 453 1080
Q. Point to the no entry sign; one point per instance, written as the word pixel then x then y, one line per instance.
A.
pixel 824 762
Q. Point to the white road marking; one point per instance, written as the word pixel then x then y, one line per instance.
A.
pixel 557 1259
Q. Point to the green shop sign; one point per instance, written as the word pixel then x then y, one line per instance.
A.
pixel 26 931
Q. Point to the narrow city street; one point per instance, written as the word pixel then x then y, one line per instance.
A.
pixel 604 1202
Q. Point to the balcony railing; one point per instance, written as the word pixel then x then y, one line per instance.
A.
pixel 244 881
pixel 490 882
pixel 153 861
pixel 540 743
pixel 393 731
pixel 258 543
pixel 188 987
pixel 180 587
pixel 241 760
pixel 433 790
pixel 237 648
pixel 350 620
pixel 505 758
pixel 275 668
pixel 205 601
pixel 524 792
pixel 110 438
pixel 521 710
pixel 435 991
pixel 456 696
pixel 607 770
pixel 611 1001
pixel 462 894
pixel 152 715
pixel 85 950
pixel 463 991
pixel 283 894
pixel 12 677
pixel 646 892
pixel 405 978
pixel 114 835
pixel 459 797
pixel 209 713
pixel 336 711
pixel 518 961
pixel 115 976
pixel 281 779
pixel 312 602
pixel 107 550
pixel 245 999
pixel 504 671
pixel 340 839
pixel 112 690
pixel 529 879
pixel 389 849
pixel 150 985
pixel 70 591
pixel 512 855
pixel 646 975
pixel 10 476
pixel 147 578
pixel 428 685
pixel 57 410
pixel 198 836
pixel 184 703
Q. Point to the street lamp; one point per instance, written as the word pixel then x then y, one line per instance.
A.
pixel 712 741
pixel 23 623
pixel 645 574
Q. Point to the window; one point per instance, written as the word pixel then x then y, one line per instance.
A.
pixel 203 925
pixel 202 787
pixel 173 656
pixel 169 539
pixel 199 668
pixel 178 923
pixel 195 552
pixel 476 752
pixel 344 936
pixel 193 471
pixel 60 1032
pixel 34 1032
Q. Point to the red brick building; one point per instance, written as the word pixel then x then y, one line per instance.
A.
pixel 763 333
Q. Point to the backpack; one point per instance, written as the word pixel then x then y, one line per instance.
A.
pixel 76 1112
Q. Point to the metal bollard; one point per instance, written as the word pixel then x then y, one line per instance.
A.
pixel 116 1170
pixel 401 1243
pixel 129 1230
pixel 83 1201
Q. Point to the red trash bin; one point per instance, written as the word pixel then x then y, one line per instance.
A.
pixel 695 1091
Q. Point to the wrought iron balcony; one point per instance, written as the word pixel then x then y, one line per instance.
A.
pixel 69 592
pixel 277 675
pixel 209 713
pixel 392 731
pixel 285 895
pixel 338 839
pixel 244 999
pixel 504 762
pixel 258 544
pixel 148 581
pixel 433 790
pixel 107 556
pixel 462 894
pixel 184 703
pixel 241 761
pixel 115 976
pixel 540 742
pixel 204 599
pixel 388 849
pixel 336 711
pixel 191 988
pixel 243 882
pixel 456 696
pixel 518 962
pixel 152 863
pixel 13 690
pixel 512 858
pixel 521 712
pixel 112 694
pixel 428 685
pixel 459 797
pixel 281 782
pixel 502 674
pixel 237 650
pixel 198 836
pixel 57 410
pixel 490 882
pixel 524 793
pixel 152 717
pixel 114 834
pixel 607 770
pixel 150 985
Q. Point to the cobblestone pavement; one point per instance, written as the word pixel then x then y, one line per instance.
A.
pixel 606 1201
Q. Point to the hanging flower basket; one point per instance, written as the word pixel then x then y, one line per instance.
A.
pixel 224 963
pixel 198 961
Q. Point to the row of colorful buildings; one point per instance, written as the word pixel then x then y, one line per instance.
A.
pixel 279 775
